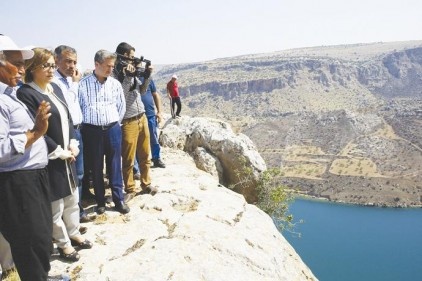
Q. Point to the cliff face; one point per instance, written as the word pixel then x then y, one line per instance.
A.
pixel 192 229
pixel 391 74
pixel 341 122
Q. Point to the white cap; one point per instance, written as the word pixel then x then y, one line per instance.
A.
pixel 7 44
pixel 174 76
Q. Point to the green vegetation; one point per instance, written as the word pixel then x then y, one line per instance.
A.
pixel 274 198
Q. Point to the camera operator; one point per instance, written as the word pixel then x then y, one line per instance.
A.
pixel 135 132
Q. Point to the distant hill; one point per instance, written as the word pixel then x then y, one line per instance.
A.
pixel 342 122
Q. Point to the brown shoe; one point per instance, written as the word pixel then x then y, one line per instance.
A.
pixel 85 218
pixel 149 189
pixel 83 229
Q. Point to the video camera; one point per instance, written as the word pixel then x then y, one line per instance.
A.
pixel 123 61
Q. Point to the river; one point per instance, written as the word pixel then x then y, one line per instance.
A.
pixel 354 243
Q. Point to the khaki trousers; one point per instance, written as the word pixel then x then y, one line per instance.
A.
pixel 135 140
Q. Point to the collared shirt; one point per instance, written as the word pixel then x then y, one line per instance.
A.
pixel 15 121
pixel 101 103
pixel 134 104
pixel 148 99
pixel 70 93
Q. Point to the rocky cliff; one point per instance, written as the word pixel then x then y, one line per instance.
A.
pixel 192 229
pixel 342 122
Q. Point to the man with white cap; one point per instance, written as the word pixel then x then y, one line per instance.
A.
pixel 25 209
pixel 173 93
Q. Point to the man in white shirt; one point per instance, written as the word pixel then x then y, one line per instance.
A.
pixel 67 77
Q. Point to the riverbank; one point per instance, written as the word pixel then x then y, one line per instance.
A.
pixel 302 195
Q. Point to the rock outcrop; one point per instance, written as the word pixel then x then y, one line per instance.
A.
pixel 217 150
pixel 192 229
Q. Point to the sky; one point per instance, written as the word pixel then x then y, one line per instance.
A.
pixel 185 31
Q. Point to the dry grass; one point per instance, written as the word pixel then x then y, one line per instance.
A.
pixel 13 276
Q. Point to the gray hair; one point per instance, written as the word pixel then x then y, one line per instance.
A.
pixel 103 55
pixel 63 48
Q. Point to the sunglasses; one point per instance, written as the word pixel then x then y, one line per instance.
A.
pixel 46 66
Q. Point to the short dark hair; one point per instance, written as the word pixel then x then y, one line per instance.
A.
pixel 63 48
pixel 124 48
pixel 103 55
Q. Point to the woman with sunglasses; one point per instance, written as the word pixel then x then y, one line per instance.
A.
pixel 62 148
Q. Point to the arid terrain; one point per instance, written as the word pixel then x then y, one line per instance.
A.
pixel 341 122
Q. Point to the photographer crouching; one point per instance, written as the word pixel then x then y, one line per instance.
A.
pixel 135 134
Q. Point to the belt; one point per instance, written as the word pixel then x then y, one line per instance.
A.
pixel 77 127
pixel 137 117
pixel 101 127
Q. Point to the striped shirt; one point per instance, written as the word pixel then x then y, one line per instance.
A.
pixel 15 121
pixel 101 103
pixel 70 93
pixel 134 104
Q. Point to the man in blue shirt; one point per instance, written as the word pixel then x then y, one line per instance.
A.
pixel 151 100
pixel 25 208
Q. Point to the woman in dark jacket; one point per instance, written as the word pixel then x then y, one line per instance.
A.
pixel 62 148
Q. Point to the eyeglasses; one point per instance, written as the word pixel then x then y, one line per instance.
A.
pixel 46 66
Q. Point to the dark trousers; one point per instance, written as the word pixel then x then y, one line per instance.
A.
pixel 97 143
pixel 26 221
pixel 176 100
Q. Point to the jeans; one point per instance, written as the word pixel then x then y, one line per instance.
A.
pixel 153 134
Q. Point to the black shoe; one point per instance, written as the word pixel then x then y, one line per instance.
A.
pixel 87 196
pixel 61 277
pixel 101 210
pixel 122 208
pixel 158 163
pixel 81 245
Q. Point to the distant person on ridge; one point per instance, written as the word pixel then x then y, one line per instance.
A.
pixel 173 93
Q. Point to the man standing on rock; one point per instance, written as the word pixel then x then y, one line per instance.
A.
pixel 173 93
pixel 67 77
pixel 25 208
pixel 152 100
pixel 135 133
pixel 103 107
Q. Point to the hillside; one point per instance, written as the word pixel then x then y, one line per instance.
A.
pixel 341 122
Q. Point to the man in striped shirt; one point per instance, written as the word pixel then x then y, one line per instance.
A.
pixel 103 107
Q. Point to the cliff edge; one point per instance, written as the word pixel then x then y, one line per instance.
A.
pixel 192 229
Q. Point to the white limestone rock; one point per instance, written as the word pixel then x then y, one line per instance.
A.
pixel 237 154
pixel 192 229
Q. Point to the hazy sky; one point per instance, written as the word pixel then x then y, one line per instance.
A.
pixel 184 31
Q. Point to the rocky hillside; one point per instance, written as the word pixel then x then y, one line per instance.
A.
pixel 342 122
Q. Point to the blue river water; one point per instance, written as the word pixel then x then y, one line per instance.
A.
pixel 353 243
